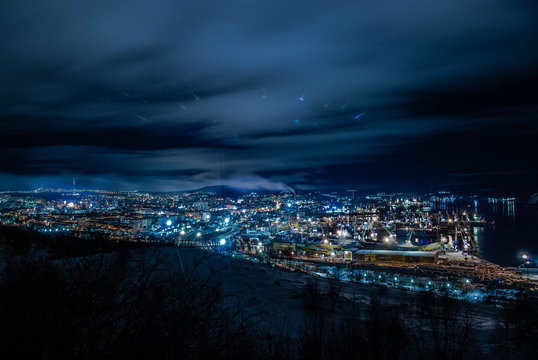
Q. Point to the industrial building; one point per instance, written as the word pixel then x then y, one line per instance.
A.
pixel 396 256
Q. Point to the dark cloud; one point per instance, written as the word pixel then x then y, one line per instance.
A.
pixel 502 96
pixel 167 95
pixel 142 135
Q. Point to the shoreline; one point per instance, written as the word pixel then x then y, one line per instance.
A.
pixel 479 282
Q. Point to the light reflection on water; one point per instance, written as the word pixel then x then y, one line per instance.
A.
pixel 511 228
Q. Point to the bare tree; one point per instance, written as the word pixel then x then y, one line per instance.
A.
pixel 312 295
pixel 333 292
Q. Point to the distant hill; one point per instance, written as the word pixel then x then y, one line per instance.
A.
pixel 231 191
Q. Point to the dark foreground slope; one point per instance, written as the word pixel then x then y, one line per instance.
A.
pixel 152 303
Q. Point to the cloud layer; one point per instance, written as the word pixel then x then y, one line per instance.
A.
pixel 168 95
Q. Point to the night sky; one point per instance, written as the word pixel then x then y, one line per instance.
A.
pixel 173 95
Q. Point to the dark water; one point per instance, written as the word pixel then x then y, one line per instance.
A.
pixel 510 232
pixel 514 233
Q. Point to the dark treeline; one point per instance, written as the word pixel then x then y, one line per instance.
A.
pixel 125 304
pixel 114 306
pixel 426 326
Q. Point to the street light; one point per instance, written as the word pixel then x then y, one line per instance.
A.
pixel 526 263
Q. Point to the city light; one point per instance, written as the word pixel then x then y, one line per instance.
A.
pixel 322 235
